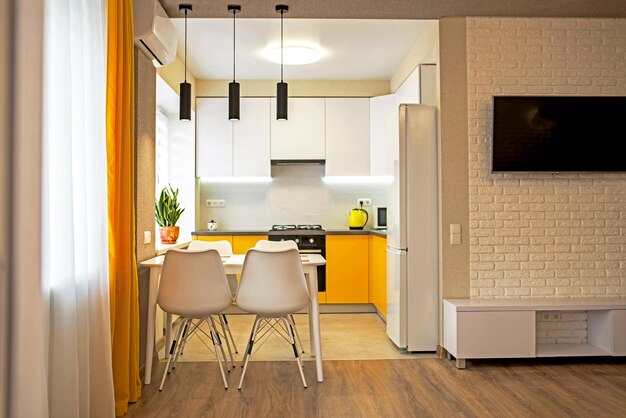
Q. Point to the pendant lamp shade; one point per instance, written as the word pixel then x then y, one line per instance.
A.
pixel 281 100
pixel 233 100
pixel 185 101
pixel 185 87
pixel 281 87
pixel 233 87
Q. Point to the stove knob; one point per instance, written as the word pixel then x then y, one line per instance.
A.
pixel 311 241
pixel 297 241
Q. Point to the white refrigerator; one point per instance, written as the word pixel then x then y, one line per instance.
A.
pixel 412 233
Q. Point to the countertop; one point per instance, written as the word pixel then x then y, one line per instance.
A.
pixel 204 232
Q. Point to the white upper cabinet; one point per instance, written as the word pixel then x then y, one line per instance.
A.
pixel 347 136
pixel 214 138
pixel 227 148
pixel 384 133
pixel 301 137
pixel 251 138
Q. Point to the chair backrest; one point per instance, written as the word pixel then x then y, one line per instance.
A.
pixel 272 283
pixel 222 247
pixel 193 284
pixel 275 245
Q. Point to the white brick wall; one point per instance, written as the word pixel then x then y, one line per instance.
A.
pixel 536 235
pixel 561 327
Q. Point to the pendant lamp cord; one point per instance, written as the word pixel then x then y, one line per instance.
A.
pixel 281 46
pixel 234 38
pixel 185 45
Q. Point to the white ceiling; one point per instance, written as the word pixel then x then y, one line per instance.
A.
pixel 353 49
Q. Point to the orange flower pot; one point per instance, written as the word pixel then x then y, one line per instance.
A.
pixel 169 234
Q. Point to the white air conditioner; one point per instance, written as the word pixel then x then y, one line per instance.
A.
pixel 155 34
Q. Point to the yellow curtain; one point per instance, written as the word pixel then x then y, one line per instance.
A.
pixel 124 289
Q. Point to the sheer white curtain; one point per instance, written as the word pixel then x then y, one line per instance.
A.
pixel 75 226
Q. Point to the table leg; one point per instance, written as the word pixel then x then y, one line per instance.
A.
pixel 152 299
pixel 314 322
pixel 311 334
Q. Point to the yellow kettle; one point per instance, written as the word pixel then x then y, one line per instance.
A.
pixel 358 218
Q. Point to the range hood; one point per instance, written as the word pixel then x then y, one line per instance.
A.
pixel 298 162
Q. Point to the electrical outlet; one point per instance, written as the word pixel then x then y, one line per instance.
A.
pixel 212 203
pixel 545 316
pixel 366 201
pixel 556 316
pixel 147 237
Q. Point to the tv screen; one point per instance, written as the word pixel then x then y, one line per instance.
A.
pixel 559 134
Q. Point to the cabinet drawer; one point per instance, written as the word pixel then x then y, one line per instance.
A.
pixel 213 238
pixel 495 334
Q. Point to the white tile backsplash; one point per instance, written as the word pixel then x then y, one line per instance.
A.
pixel 296 195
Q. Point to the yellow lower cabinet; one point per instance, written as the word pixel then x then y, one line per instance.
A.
pixel 347 269
pixel 213 238
pixel 242 243
pixel 378 273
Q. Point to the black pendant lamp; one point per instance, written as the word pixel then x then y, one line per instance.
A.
pixel 185 88
pixel 233 87
pixel 281 88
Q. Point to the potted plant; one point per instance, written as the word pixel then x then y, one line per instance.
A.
pixel 167 212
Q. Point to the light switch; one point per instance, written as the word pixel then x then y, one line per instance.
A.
pixel 455 234
pixel 455 239
pixel 147 237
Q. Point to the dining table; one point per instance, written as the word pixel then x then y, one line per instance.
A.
pixel 233 264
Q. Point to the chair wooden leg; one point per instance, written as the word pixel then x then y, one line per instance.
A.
pixel 230 353
pixel 172 350
pixel 216 338
pixel 183 341
pixel 249 339
pixel 257 320
pixel 295 349
pixel 295 330
pixel 230 334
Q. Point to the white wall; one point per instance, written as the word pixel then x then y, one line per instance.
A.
pixel 28 376
pixel 540 234
pixel 182 147
pixel 5 240
pixel 296 195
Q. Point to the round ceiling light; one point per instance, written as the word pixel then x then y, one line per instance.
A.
pixel 294 54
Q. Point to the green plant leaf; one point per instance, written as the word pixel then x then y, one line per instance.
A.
pixel 167 209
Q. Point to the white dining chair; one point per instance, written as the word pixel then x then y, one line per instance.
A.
pixel 282 245
pixel 193 286
pixel 272 286
pixel 225 249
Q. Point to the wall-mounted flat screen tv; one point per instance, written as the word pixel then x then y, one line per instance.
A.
pixel 559 134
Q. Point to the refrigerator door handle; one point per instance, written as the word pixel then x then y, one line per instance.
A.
pixel 396 251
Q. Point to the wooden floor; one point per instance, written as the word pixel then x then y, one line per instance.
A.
pixel 394 388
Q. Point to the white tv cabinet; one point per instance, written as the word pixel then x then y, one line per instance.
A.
pixel 505 328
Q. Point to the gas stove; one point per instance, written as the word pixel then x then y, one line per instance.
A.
pixel 309 241
pixel 297 228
